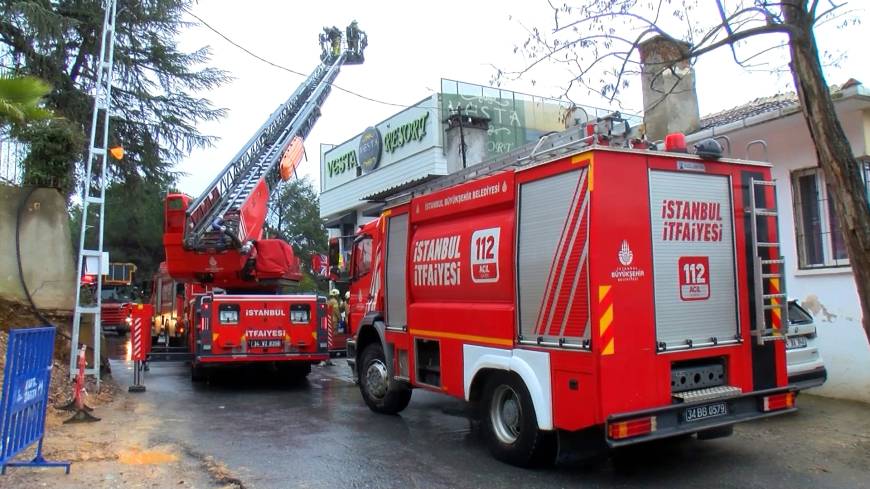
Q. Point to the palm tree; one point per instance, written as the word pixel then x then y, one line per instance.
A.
pixel 20 98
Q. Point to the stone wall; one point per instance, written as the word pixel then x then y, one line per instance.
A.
pixel 46 251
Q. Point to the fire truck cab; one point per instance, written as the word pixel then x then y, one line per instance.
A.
pixel 622 293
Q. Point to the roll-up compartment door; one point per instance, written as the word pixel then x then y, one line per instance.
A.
pixel 397 255
pixel 693 259
pixel 552 259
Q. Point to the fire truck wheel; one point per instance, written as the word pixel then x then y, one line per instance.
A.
pixel 510 426
pixel 197 373
pixel 381 395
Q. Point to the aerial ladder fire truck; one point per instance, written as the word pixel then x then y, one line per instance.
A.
pixel 238 305
pixel 588 290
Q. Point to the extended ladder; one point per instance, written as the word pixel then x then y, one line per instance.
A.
pixel 771 300
pixel 97 156
pixel 223 198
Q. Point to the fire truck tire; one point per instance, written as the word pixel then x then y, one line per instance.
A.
pixel 510 426
pixel 197 373
pixel 380 394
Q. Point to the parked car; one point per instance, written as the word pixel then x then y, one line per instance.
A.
pixel 805 365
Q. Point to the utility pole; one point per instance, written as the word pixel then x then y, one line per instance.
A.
pixel 462 148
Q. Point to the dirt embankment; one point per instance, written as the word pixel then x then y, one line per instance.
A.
pixel 114 452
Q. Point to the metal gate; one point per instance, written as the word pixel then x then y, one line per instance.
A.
pixel 25 395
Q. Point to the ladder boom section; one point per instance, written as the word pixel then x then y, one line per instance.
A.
pixel 213 219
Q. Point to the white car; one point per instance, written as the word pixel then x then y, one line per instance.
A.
pixel 805 365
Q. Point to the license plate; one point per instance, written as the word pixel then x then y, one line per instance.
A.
pixel 264 343
pixel 794 342
pixel 707 411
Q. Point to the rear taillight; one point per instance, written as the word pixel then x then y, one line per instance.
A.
pixel 777 402
pixel 631 428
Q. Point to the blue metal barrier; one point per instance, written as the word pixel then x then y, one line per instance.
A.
pixel 25 396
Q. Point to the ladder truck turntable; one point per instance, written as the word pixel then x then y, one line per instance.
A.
pixel 582 289
pixel 238 302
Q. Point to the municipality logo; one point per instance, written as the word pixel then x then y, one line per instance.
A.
pixel 625 254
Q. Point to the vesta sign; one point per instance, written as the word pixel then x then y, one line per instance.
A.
pixel 411 131
pixel 265 313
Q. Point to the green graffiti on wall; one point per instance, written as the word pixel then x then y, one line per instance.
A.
pixel 512 122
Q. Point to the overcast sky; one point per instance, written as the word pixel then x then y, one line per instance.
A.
pixel 412 45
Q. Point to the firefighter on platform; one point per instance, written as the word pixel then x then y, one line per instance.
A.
pixel 324 45
pixel 330 42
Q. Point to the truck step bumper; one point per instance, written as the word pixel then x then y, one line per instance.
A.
pixel 674 420
pixel 276 357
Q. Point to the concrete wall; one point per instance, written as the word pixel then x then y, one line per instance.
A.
pixel 475 147
pixel 829 293
pixel 46 252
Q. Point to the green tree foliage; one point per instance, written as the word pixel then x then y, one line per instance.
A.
pixel 155 108
pixel 56 146
pixel 294 216
pixel 20 100
pixel 133 226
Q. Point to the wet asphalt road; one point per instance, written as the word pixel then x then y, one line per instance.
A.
pixel 320 434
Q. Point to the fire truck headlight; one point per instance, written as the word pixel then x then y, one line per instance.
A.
pixel 128 320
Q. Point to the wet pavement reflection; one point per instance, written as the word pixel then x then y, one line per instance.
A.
pixel 318 433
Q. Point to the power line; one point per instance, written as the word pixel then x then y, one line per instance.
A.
pixel 284 68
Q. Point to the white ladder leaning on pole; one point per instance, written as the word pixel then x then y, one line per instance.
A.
pixel 94 191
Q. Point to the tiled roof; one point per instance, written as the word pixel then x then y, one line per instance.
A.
pixel 749 109
pixel 761 105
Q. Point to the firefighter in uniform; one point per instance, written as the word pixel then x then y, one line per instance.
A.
pixel 345 311
pixel 334 305
pixel 334 314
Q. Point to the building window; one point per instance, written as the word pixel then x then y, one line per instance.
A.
pixel 820 242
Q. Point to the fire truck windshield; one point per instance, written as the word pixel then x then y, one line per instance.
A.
pixel 116 295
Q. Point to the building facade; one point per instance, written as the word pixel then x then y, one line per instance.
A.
pixel 425 141
pixel 817 265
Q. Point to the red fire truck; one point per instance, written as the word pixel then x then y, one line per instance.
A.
pixel 581 289
pixel 241 303
pixel 168 303
pixel 117 294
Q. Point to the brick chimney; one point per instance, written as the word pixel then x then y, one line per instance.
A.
pixel 669 98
